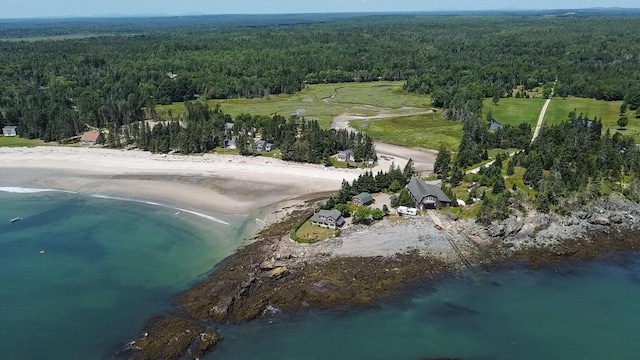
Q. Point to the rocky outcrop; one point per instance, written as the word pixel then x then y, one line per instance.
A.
pixel 172 338
pixel 274 275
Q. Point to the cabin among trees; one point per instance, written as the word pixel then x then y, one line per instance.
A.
pixel 427 196
pixel 362 199
pixel 92 137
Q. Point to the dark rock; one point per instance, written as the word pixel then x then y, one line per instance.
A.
pixel 268 264
pixel 582 215
pixel 562 250
pixel 172 338
pixel 496 231
pixel 616 219
pixel 323 286
pixel 599 220
pixel 449 310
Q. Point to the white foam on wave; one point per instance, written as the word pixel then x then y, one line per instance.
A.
pixel 204 216
pixel 21 190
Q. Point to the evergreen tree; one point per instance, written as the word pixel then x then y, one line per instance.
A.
pixel 485 213
pixel 443 162
pixel 405 199
pixel 409 171
pixel 498 186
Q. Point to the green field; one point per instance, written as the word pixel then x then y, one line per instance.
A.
pixel 324 101
pixel 19 142
pixel 425 131
pixel 514 111
pixel 608 111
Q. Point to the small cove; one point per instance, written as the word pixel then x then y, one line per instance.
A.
pixel 109 266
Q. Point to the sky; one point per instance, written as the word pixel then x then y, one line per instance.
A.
pixel 57 8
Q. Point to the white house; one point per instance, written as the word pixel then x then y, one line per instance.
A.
pixel 9 131
pixel 346 155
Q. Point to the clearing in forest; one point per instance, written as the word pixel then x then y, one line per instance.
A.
pixel 607 111
pixel 324 101
pixel 514 111
pixel 427 131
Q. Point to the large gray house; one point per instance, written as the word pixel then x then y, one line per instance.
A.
pixel 427 196
pixel 328 218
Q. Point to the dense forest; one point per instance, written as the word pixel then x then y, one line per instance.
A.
pixel 53 90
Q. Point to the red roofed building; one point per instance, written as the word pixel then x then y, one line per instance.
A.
pixel 92 137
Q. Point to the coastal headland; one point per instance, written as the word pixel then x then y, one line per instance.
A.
pixel 273 274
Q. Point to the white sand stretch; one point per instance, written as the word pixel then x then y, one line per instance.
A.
pixel 246 182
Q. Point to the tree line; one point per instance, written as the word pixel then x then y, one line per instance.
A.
pixel 202 129
pixel 53 90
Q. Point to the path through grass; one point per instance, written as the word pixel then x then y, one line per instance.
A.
pixel 325 101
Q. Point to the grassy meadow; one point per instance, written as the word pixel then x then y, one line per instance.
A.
pixel 16 141
pixel 514 111
pixel 608 111
pixel 324 101
pixel 426 131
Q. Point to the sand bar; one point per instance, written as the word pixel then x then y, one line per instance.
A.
pixel 209 183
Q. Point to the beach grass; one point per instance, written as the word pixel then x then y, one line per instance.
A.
pixel 514 111
pixel 323 102
pixel 427 131
pixel 16 141
pixel 607 111
pixel 309 233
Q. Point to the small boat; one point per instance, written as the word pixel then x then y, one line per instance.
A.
pixel 14 220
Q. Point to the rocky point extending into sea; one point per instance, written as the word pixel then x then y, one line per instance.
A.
pixel 368 264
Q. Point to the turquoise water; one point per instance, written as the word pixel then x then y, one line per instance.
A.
pixel 588 311
pixel 109 266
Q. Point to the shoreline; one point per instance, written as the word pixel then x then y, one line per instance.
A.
pixel 275 275
pixel 226 184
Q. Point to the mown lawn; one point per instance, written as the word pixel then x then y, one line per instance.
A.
pixel 16 141
pixel 514 111
pixel 310 233
pixel 324 101
pixel 608 111
pixel 425 131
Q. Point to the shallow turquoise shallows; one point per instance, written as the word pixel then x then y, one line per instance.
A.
pixel 110 265
pixel 107 267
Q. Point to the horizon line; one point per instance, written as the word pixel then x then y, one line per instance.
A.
pixel 196 14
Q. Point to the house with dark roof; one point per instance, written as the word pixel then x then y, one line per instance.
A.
pixel 262 145
pixel 91 137
pixel 345 155
pixel 328 218
pixel 9 131
pixel 427 196
pixel 362 199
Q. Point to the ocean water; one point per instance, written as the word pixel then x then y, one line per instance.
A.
pixel 109 265
pixel 586 311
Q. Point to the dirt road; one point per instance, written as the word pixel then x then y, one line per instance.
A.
pixel 423 159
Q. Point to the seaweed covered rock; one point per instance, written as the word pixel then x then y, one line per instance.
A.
pixel 171 338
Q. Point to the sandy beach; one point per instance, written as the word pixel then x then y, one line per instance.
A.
pixel 207 183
